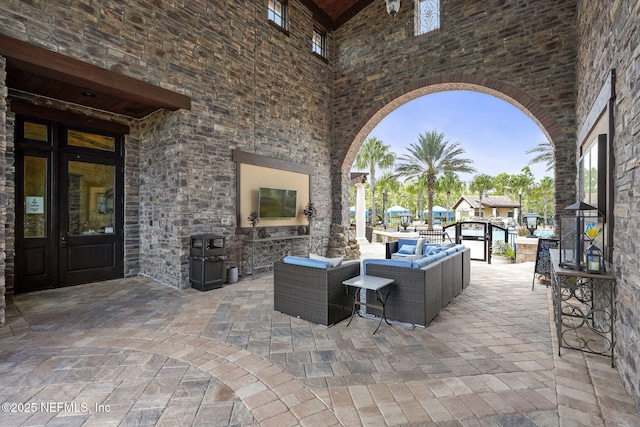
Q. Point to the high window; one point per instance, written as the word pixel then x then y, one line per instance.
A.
pixel 319 43
pixel 277 13
pixel 427 16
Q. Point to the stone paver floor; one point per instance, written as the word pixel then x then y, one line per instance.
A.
pixel 133 352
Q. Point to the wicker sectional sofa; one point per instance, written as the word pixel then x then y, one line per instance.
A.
pixel 421 289
pixel 313 293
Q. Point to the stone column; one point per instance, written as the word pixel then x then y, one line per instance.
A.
pixel 360 213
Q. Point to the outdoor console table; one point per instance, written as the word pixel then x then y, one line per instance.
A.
pixel 371 283
pixel 584 309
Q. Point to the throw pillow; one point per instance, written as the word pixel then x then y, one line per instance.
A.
pixel 420 245
pixel 433 250
pixel 407 249
pixel 333 261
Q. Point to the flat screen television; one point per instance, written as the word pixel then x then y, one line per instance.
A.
pixel 277 203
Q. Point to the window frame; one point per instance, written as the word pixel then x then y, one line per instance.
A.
pixel 283 23
pixel 417 27
pixel 323 42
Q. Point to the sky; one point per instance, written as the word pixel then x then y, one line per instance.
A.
pixel 493 133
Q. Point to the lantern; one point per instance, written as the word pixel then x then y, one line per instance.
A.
pixel 531 220
pixel 573 231
pixel 405 220
pixel 594 260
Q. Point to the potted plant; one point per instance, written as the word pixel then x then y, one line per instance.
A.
pixel 310 212
pixel 502 253
pixel 254 219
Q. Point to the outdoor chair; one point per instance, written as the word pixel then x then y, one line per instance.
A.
pixel 416 293
pixel 313 294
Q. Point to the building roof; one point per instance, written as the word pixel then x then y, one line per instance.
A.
pixel 487 202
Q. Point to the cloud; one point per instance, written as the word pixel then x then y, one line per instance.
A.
pixel 493 133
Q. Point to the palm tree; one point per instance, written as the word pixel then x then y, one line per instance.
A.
pixel 448 183
pixel 481 183
pixel 389 183
pixel 544 152
pixel 523 181
pixel 429 158
pixel 545 190
pixel 417 187
pixel 374 153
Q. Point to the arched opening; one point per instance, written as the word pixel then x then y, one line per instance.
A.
pixel 564 149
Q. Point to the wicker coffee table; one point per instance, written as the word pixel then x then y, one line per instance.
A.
pixel 371 283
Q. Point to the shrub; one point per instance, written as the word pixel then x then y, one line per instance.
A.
pixel 501 248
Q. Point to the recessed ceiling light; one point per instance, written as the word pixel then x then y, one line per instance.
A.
pixel 88 94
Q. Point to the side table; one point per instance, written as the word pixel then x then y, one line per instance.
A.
pixel 584 309
pixel 371 283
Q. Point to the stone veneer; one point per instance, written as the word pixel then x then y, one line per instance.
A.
pixel 608 38
pixel 252 87
pixel 3 187
pixel 520 51
pixel 259 90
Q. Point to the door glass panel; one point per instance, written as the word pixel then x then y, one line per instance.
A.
pixel 35 131
pixel 35 197
pixel 91 140
pixel 91 198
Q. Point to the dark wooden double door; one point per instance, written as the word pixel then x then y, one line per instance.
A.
pixel 69 205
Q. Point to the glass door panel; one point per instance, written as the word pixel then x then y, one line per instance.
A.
pixel 90 198
pixel 35 197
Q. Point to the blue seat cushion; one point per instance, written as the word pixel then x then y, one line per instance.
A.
pixel 432 249
pixel 307 262
pixel 407 249
pixel 389 262
pixel 412 242
pixel 425 260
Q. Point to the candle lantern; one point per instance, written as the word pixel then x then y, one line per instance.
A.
pixel 594 260
pixel 578 222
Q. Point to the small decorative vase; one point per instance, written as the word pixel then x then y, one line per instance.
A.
pixel 254 234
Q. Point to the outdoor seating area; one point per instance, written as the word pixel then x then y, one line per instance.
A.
pixel 137 352
pixel 424 282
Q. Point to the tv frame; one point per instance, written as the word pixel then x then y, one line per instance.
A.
pixel 288 209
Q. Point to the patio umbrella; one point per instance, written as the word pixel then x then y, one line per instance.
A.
pixel 352 211
pixel 396 210
pixel 440 212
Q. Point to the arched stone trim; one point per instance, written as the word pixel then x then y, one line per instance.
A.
pixel 504 91
pixel 564 149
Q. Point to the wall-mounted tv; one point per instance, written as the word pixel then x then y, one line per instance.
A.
pixel 277 203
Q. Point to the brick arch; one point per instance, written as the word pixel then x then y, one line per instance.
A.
pixel 564 147
pixel 504 91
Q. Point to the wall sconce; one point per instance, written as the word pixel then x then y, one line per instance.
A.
pixel 393 6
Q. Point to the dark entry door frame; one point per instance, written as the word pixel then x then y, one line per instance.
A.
pixel 72 231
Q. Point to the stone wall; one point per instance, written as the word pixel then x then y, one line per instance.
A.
pixel 520 51
pixel 3 192
pixel 608 38
pixel 252 87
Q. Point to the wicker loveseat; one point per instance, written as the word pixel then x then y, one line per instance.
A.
pixel 421 290
pixel 314 293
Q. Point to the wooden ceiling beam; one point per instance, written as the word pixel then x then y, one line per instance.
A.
pixel 69 70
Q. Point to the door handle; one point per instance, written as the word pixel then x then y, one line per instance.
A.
pixel 63 238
